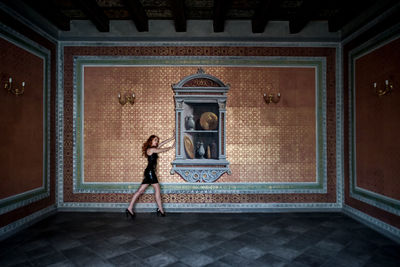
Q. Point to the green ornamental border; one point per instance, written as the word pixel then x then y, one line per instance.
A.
pixel 320 184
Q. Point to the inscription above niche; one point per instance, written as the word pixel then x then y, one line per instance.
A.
pixel 201 82
pixel 200 112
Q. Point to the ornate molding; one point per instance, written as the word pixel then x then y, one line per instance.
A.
pixel 25 222
pixel 339 128
pixel 200 175
pixel 207 207
pixel 222 104
pixel 319 186
pixel 179 104
pixel 378 225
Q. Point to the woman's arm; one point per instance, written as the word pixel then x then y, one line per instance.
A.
pixel 158 150
pixel 166 141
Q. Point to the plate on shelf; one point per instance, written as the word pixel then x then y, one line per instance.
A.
pixel 188 146
pixel 208 121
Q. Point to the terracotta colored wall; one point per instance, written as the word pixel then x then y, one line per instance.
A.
pixel 237 111
pixel 32 79
pixel 378 121
pixel 21 138
pixel 371 173
pixel 265 143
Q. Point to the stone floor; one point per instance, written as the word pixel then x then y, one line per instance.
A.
pixel 182 239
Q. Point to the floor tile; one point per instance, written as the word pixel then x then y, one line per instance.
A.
pixel 65 263
pixel 309 260
pixel 83 256
pixel 250 252
pixel 271 260
pixel 178 264
pixel 180 251
pixel 234 260
pixel 285 253
pixel 145 252
pixel 159 260
pixel 255 239
pixel 54 258
pixel 196 259
pixel 215 252
pixel 218 264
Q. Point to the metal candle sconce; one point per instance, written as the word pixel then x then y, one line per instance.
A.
pixel 126 98
pixel 10 88
pixel 271 98
pixel 386 90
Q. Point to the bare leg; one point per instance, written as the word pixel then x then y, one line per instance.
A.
pixel 157 194
pixel 140 191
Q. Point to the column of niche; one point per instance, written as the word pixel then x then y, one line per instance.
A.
pixel 179 130
pixel 222 129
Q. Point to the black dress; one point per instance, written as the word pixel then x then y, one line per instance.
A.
pixel 150 176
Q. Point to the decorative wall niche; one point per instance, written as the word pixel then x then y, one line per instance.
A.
pixel 200 112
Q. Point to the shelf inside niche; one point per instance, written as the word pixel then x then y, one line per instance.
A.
pixel 201 131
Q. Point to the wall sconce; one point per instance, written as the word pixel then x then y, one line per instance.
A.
pixel 387 89
pixel 271 98
pixel 10 88
pixel 126 98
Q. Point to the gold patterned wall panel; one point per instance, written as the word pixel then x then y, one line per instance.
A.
pixel 265 143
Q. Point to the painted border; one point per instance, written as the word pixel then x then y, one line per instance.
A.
pixel 375 199
pixel 205 207
pixel 59 131
pixel 25 222
pixel 319 63
pixel 28 197
pixel 378 225
pixel 340 162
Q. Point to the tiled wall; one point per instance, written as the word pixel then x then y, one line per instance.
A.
pixel 265 144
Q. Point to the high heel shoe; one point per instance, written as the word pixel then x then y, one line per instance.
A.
pixel 159 213
pixel 128 213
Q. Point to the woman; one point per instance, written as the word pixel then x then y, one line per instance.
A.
pixel 151 148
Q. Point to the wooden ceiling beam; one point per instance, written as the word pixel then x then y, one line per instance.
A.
pixel 52 13
pixel 178 11
pixel 262 15
pixel 347 11
pixel 303 16
pixel 139 15
pixel 352 10
pixel 296 25
pixel 95 14
pixel 337 22
pixel 220 10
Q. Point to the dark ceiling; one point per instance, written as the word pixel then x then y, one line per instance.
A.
pixel 297 12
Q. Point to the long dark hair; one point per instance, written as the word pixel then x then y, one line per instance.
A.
pixel 147 144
